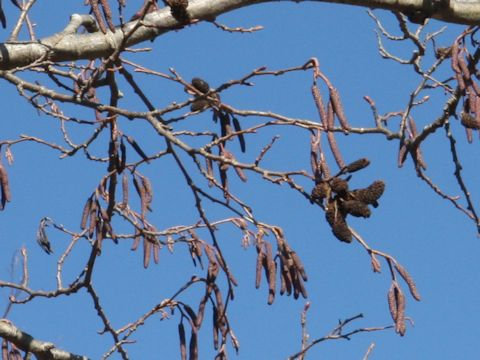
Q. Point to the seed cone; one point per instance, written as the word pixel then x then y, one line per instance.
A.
pixel 338 185
pixel 200 85
pixel 371 194
pixel 356 208
pixel 339 225
pixel 320 191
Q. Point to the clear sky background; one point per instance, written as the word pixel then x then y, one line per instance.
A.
pixel 427 235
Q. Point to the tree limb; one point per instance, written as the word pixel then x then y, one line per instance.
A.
pixel 25 342
pixel 67 45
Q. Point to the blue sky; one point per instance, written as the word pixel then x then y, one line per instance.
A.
pixel 434 241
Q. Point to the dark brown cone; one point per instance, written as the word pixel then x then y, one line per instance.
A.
pixel 357 165
pixel 320 191
pixel 339 226
pixel 200 85
pixel 371 194
pixel 342 232
pixel 339 185
pixel 356 208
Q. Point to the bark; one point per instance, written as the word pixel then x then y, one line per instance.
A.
pixel 67 45
pixel 25 342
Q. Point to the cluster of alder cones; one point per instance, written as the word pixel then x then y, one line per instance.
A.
pixel 339 201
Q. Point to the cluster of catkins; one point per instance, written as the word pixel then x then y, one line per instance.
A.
pixel 340 202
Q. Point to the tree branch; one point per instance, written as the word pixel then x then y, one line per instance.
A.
pixel 25 342
pixel 67 45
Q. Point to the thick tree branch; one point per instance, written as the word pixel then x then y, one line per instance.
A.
pixel 68 45
pixel 25 342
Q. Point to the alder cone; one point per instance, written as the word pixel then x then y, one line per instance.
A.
pixel 200 85
pixel 339 185
pixel 356 208
pixel 371 194
pixel 320 191
pixel 339 225
pixel 342 232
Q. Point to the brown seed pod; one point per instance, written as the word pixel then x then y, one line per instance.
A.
pixel 271 271
pixel 357 165
pixel 400 326
pixel 298 265
pixel 86 213
pixel 342 232
pixel 338 109
pixel 331 213
pixel 339 226
pixel 469 121
pixel 200 85
pixel 392 304
pixel 183 347
pixel 6 195
pixel 355 208
pixel 125 189
pixel 338 185
pixel 193 346
pixel 409 280
pixel 146 252
pixel 371 194
pixel 258 270
pixel 375 263
pixel 320 191
pixel 136 240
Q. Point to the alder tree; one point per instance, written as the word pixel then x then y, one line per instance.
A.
pixel 132 126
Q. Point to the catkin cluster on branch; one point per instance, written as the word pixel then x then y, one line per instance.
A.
pixel 292 272
pixel 339 201
pixel 464 65
pixel 396 298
